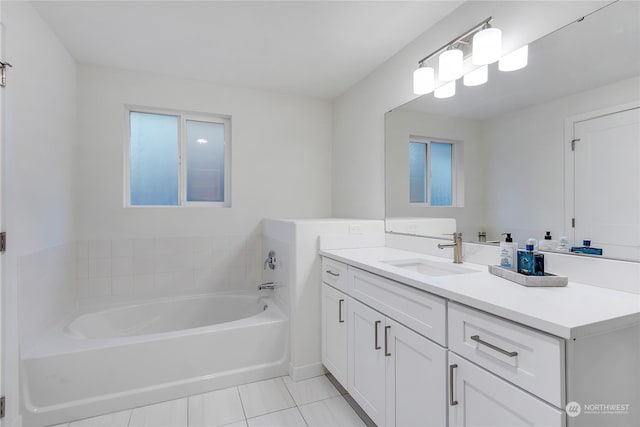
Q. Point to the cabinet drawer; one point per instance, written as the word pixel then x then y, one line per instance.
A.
pixel 528 358
pixel 334 273
pixel 419 310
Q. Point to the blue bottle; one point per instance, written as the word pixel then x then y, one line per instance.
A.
pixel 530 262
pixel 586 249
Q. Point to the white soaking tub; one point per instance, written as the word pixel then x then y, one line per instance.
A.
pixel 134 355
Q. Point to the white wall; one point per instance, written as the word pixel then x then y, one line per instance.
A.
pixel 281 155
pixel 358 132
pixel 281 167
pixel 40 127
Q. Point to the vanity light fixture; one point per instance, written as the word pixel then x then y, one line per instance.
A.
pixel 446 91
pixel 477 77
pixel 201 141
pixel 515 60
pixel 424 80
pixel 450 65
pixel 487 46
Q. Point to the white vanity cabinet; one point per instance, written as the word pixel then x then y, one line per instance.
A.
pixel 479 398
pixel 334 332
pixel 396 375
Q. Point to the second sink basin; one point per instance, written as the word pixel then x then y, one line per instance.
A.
pixel 430 268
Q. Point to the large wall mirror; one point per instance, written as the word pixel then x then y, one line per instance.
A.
pixel 498 158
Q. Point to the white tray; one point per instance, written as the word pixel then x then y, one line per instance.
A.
pixel 548 280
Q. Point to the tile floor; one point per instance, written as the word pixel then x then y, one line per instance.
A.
pixel 278 402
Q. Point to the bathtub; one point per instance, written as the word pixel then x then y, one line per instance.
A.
pixel 125 356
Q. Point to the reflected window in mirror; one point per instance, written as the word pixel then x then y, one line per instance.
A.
pixel 431 172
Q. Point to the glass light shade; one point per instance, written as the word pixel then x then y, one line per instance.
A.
pixel 446 91
pixel 487 46
pixel 515 60
pixel 450 65
pixel 477 77
pixel 424 80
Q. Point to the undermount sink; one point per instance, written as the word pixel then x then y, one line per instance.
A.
pixel 430 268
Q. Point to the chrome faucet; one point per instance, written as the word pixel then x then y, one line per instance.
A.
pixel 268 286
pixel 271 260
pixel 457 247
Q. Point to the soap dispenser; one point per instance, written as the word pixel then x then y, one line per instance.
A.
pixel 547 243
pixel 508 253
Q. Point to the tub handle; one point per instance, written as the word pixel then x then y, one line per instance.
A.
pixel 375 329
pixel 340 319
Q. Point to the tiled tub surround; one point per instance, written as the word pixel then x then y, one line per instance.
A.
pixel 150 267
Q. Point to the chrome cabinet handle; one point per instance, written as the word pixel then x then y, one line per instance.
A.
pixel 386 340
pixel 376 347
pixel 452 402
pixel 340 319
pixel 332 273
pixel 477 339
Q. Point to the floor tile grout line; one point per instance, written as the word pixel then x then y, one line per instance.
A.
pixel 188 403
pixel 242 406
pixel 302 415
pixel 295 402
pixel 272 412
pixel 130 416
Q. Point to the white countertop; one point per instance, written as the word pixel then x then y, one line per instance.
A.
pixel 573 311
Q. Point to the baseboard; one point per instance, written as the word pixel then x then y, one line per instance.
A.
pixel 299 373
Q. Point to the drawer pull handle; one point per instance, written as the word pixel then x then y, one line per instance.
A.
pixel 386 340
pixel 340 319
pixel 375 329
pixel 477 339
pixel 332 273
pixel 452 402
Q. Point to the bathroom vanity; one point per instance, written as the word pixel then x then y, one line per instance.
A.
pixel 417 340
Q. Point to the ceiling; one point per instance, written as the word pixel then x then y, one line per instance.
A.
pixel 314 48
pixel 599 50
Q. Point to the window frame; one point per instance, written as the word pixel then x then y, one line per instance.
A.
pixel 455 147
pixel 182 161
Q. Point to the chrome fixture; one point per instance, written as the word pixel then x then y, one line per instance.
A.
pixel 271 260
pixel 457 247
pixel 483 44
pixel 267 286
pixel 482 236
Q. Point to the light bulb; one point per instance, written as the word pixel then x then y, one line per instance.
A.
pixel 446 91
pixel 477 77
pixel 515 60
pixel 424 80
pixel 487 46
pixel 450 65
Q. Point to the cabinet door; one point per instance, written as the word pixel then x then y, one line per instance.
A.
pixel 366 369
pixel 479 398
pixel 416 379
pixel 334 332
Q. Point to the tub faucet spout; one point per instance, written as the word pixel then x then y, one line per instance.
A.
pixel 268 286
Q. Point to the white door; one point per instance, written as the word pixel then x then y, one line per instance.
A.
pixel 366 369
pixel 416 379
pixel 334 333
pixel 607 183
pixel 479 398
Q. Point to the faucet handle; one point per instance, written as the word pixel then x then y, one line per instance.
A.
pixel 455 235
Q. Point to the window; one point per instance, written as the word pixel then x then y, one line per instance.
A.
pixel 431 172
pixel 177 159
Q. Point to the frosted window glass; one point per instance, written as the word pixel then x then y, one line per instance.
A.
pixel 441 174
pixel 417 172
pixel 205 161
pixel 153 159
